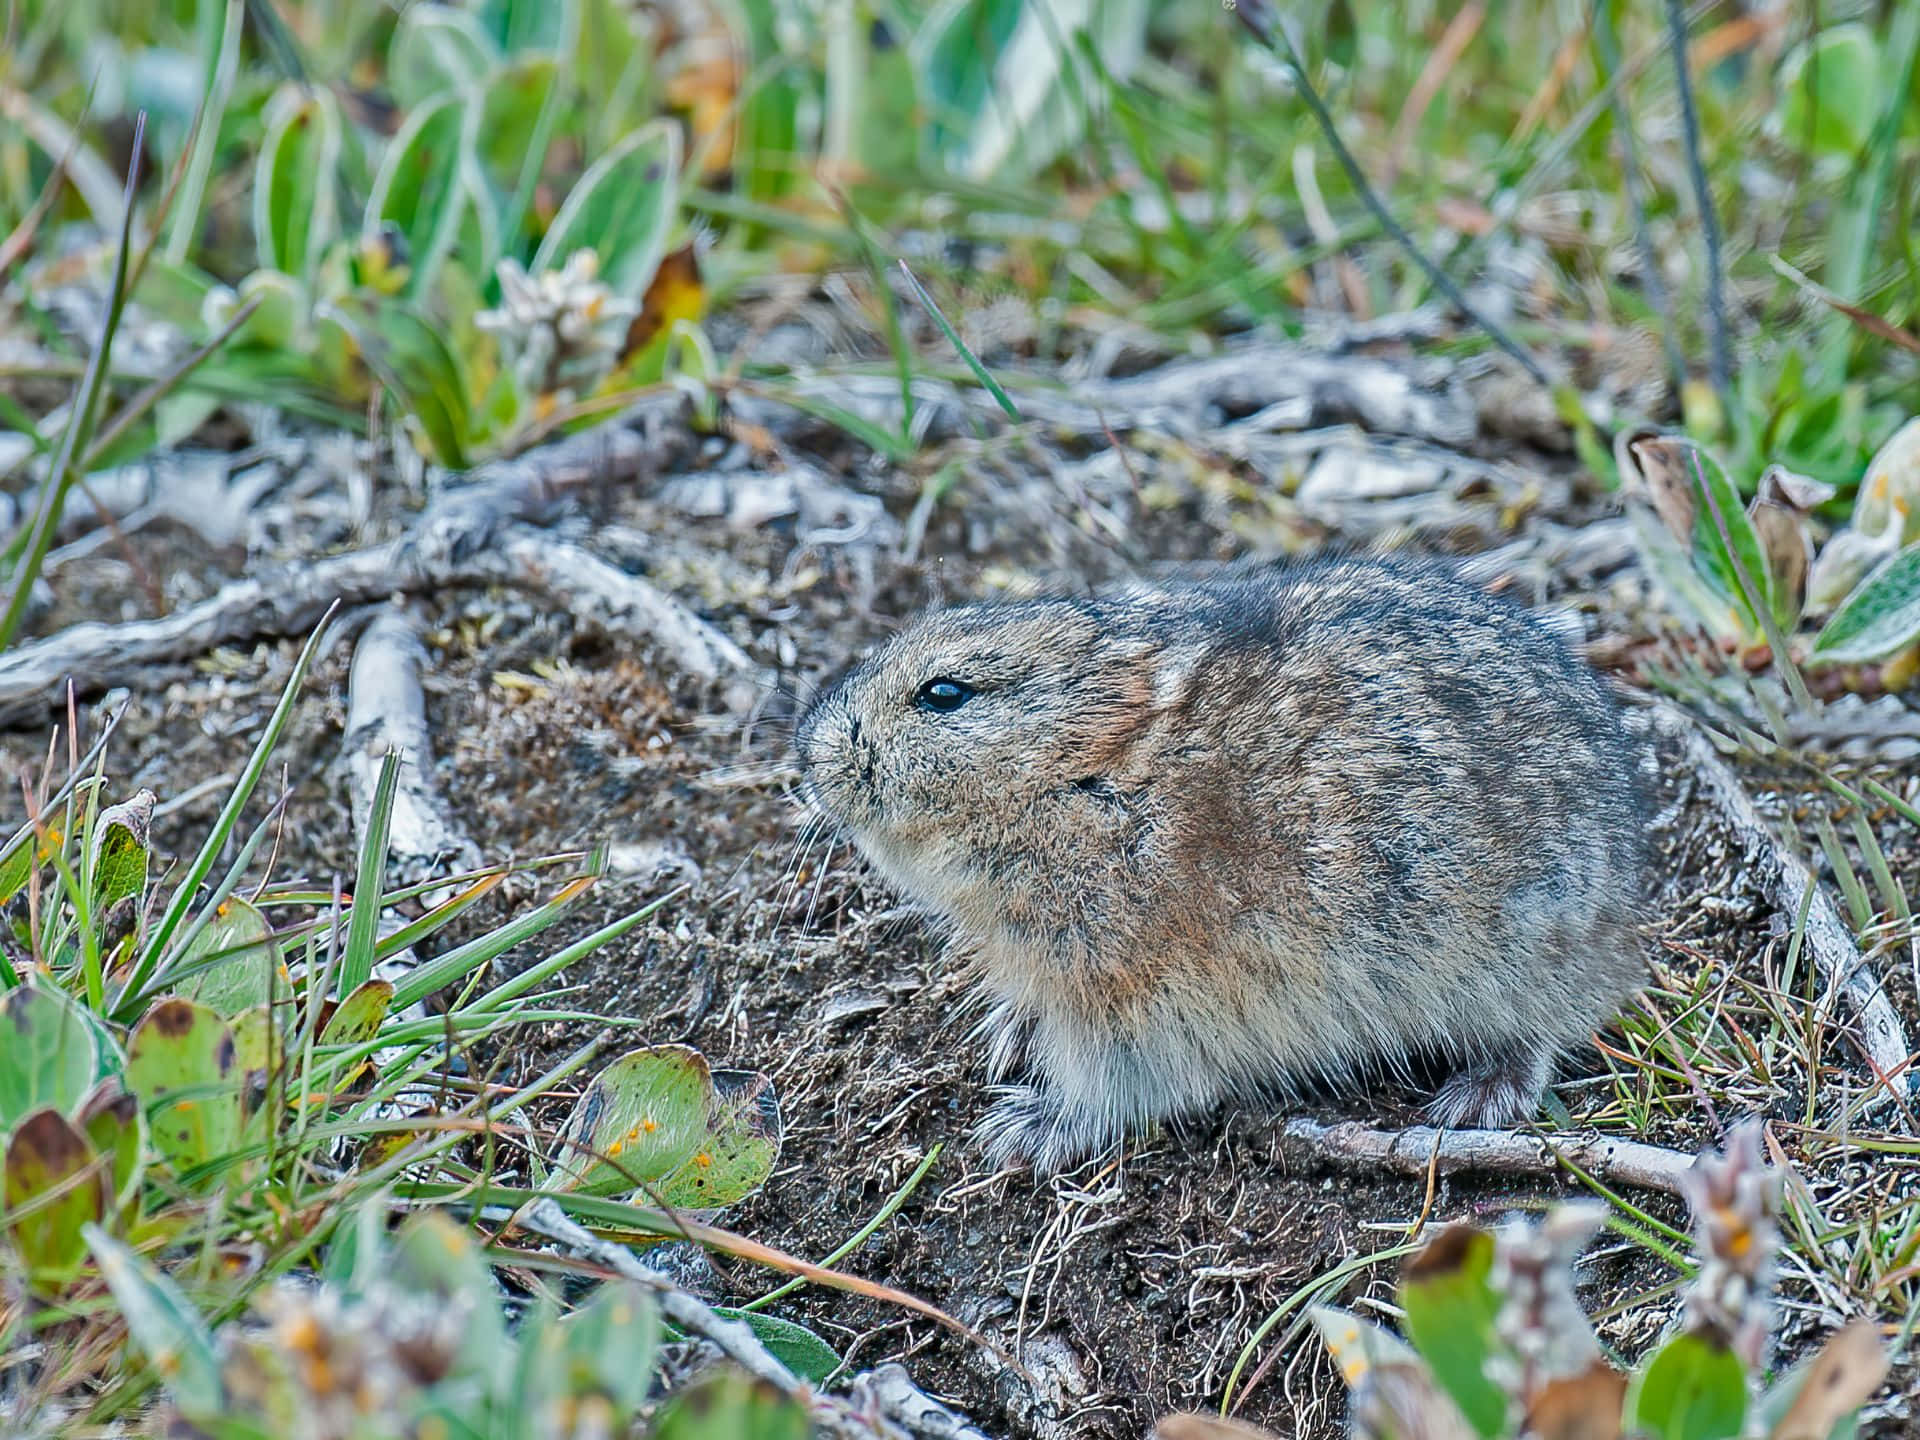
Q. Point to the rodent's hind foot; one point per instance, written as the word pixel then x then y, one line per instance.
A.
pixel 1492 1093
pixel 1029 1125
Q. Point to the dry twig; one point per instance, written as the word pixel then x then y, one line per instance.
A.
pixel 1421 1149
pixel 892 1406
pixel 1790 886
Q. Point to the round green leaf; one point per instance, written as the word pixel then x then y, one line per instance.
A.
pixel 1694 1388
pixel 793 1345
pixel 1882 614
pixel 234 963
pixel 48 1053
pixel 738 1150
pixel 641 1119
pixel 181 1063
pixel 53 1186
pixel 621 209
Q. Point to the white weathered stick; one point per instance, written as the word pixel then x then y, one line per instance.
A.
pixel 888 1389
pixel 450 543
pixel 732 1338
pixel 1836 958
pixel 33 677
pixel 1187 397
pixel 387 713
pixel 608 598
pixel 1493 1152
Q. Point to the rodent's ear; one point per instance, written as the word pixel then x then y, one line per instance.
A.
pixel 1159 681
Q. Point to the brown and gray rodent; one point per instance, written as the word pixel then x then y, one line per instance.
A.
pixel 1226 837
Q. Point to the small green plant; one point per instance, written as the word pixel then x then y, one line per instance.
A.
pixel 407 1334
pixel 1498 1346
pixel 449 216
pixel 187 1069
pixel 1750 571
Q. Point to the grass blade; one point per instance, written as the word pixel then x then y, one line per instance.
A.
pixel 463 960
pixel 953 337
pixel 182 901
pixel 86 408
pixel 363 934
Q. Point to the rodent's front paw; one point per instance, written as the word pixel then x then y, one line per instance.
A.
pixel 1029 1125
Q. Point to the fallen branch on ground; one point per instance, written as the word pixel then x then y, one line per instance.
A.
pixel 1420 1148
pixel 1192 398
pixel 609 599
pixel 457 540
pixel 387 713
pixel 1790 886
pixel 895 1406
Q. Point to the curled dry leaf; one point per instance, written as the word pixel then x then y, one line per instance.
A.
pixel 1655 465
pixel 1842 1378
pixel 1587 1406
pixel 1781 512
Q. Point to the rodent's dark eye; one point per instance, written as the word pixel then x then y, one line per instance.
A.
pixel 943 695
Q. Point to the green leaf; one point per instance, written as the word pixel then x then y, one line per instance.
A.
pixel 1882 614
pixel 406 351
pixel 356 1021
pixel 28 851
pixel 610 1345
pixel 436 48
pixel 732 1405
pixel 641 1119
pixel 363 920
pixel 521 25
pixel 293 181
pixel 168 1330
pixel 111 1120
pixel 621 209
pixel 358 1018
pixel 1451 1308
pixel 45 1155
pixel 418 190
pixel 1738 571
pixel 48 1053
pixel 957 53
pixel 793 1345
pixel 120 851
pixel 435 1259
pixel 1830 91
pixel 738 1152
pixel 234 963
pixel 1693 1388
pixel 253 1039
pixel 181 1063
pixel 516 96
